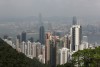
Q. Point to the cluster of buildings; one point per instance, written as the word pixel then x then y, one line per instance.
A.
pixel 52 49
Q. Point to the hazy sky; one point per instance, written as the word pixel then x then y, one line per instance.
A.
pixel 49 8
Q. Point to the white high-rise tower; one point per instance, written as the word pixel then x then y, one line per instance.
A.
pixel 76 34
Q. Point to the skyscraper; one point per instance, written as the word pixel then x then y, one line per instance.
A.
pixel 53 44
pixel 34 49
pixel 38 49
pixel 74 21
pixel 23 46
pixel 47 48
pixel 41 31
pixel 18 41
pixel 76 34
pixel 58 60
pixel 17 45
pixel 42 35
pixel 23 36
pixel 43 53
pixel 67 41
pixel 29 49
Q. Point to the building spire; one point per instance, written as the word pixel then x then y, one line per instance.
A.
pixel 74 20
pixel 40 19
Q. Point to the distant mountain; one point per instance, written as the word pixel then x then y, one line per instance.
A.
pixel 9 57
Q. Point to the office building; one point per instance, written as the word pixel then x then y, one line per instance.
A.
pixel 29 49
pixel 42 35
pixel 43 53
pixel 41 31
pixel 64 56
pixel 58 57
pixel 66 41
pixel 17 45
pixel 76 34
pixel 38 49
pixel 23 36
pixel 53 44
pixel 47 47
pixel 34 49
pixel 23 48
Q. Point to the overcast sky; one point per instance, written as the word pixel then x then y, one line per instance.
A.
pixel 16 8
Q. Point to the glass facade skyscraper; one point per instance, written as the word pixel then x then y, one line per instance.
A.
pixel 42 35
pixel 23 36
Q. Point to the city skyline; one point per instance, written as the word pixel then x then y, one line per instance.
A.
pixel 56 50
pixel 50 33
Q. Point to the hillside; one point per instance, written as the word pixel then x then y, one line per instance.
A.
pixel 9 57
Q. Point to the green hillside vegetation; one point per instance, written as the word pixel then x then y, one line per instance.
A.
pixel 9 57
pixel 84 58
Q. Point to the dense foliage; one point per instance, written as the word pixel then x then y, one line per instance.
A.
pixel 9 57
pixel 84 58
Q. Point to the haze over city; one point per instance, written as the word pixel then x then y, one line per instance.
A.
pixel 49 33
pixel 67 8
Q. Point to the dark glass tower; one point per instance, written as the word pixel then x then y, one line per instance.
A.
pixel 41 31
pixel 53 53
pixel 74 21
pixel 23 36
pixel 42 35
pixel 73 39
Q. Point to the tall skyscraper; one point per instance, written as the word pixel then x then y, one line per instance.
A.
pixel 74 21
pixel 76 34
pixel 58 60
pixel 42 35
pixel 41 31
pixel 17 45
pixel 38 49
pixel 34 49
pixel 67 41
pixel 47 48
pixel 43 53
pixel 29 49
pixel 23 35
pixel 53 44
pixel 18 41
pixel 23 46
